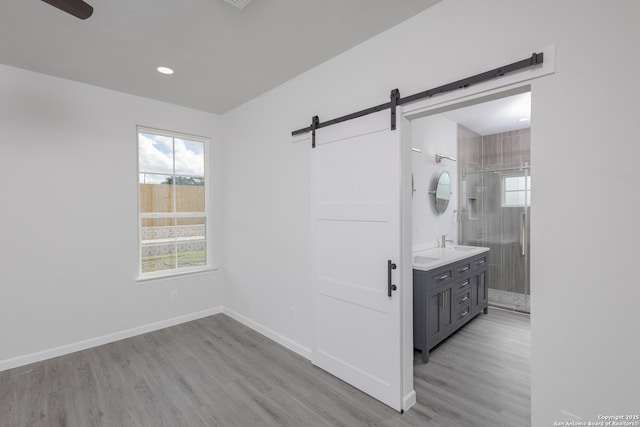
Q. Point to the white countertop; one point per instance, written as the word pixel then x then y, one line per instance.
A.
pixel 429 259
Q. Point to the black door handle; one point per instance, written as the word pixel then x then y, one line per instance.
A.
pixel 391 286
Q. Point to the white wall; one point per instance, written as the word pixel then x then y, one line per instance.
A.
pixel 68 252
pixel 68 162
pixel 433 134
pixel 267 222
pixel 584 334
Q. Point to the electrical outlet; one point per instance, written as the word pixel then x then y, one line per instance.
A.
pixel 174 295
pixel 292 314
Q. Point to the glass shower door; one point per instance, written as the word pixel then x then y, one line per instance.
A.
pixel 513 291
pixel 495 208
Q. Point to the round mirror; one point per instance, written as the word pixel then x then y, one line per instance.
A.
pixel 443 192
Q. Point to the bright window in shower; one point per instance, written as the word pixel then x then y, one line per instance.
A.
pixel 516 191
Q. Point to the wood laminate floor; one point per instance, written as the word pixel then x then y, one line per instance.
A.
pixel 479 377
pixel 217 372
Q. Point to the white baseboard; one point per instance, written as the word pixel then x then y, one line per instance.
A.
pixel 272 335
pixel 408 400
pixel 104 339
pixel 109 338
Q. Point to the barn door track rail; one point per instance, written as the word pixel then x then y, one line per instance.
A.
pixel 396 100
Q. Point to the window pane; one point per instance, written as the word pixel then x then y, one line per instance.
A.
pixel 189 157
pixel 157 230
pixel 511 183
pixel 191 240
pixel 511 198
pixel 156 193
pixel 157 241
pixel 158 258
pixel 189 194
pixel 155 153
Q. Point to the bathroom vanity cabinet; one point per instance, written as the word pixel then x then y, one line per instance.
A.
pixel 445 298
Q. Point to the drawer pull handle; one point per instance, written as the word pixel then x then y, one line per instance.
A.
pixel 463 269
pixel 464 284
pixel 444 276
pixel 480 262
pixel 465 313
pixel 465 298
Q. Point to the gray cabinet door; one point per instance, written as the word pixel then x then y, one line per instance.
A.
pixel 480 289
pixel 420 309
pixel 440 314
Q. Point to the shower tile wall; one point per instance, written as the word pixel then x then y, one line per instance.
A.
pixel 508 148
pixel 484 221
pixel 469 148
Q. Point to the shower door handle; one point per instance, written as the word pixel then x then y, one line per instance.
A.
pixel 523 234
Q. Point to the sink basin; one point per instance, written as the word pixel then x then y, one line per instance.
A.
pixel 428 259
pixel 464 248
pixel 423 259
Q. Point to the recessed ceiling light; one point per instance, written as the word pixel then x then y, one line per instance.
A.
pixel 524 119
pixel 165 70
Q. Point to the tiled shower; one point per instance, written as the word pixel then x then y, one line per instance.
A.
pixel 495 183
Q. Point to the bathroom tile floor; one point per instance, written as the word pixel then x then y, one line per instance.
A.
pixel 510 300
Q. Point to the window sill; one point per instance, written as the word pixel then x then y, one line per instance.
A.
pixel 168 275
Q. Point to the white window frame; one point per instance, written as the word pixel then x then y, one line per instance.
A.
pixel 206 214
pixel 527 191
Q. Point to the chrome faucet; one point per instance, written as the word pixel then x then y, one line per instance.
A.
pixel 443 241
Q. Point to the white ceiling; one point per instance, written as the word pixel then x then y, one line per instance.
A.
pixel 222 56
pixel 500 115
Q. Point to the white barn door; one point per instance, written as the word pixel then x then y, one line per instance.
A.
pixel 356 183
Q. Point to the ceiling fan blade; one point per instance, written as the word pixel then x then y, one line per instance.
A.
pixel 77 8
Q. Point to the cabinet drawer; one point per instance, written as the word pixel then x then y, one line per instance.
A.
pixel 462 285
pixel 441 276
pixel 463 298
pixel 481 261
pixel 463 267
pixel 463 313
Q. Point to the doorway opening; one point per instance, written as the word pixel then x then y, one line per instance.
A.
pixel 490 201
pixel 483 144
